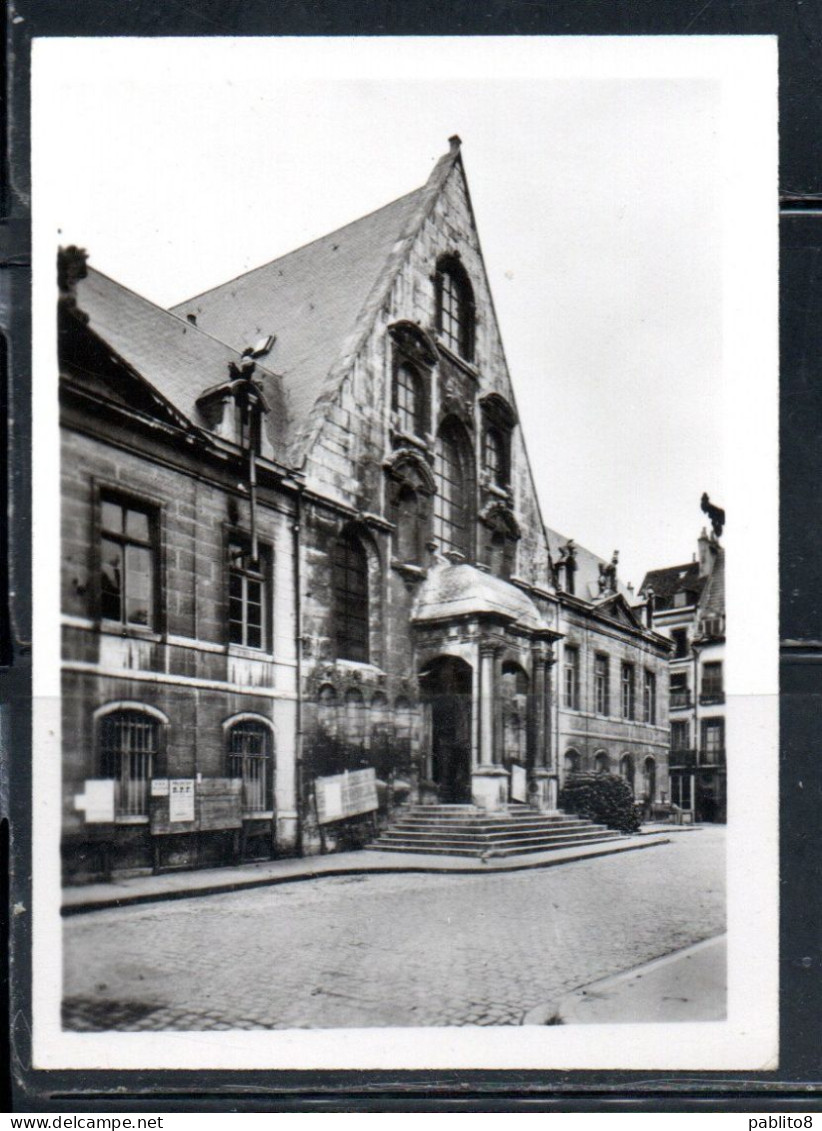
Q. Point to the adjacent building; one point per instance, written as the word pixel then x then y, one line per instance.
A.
pixel 688 603
pixel 301 536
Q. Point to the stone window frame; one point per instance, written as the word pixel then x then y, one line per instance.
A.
pixel 137 503
pixel 627 690
pixel 238 542
pixel 262 726
pixel 649 699
pixel 570 668
pixel 455 307
pixel 454 433
pixel 408 472
pixel 130 712
pixel 602 683
pixel 351 627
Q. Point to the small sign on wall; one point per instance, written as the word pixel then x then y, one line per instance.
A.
pixel 181 799
pixel 159 787
pixel 97 801
pixel 346 795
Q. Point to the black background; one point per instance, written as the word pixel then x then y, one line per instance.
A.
pixel 795 1086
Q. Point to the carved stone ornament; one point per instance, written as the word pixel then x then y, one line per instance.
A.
pixel 407 466
pixel 497 409
pixel 414 343
pixel 499 517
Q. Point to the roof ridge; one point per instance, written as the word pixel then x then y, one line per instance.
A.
pixel 301 247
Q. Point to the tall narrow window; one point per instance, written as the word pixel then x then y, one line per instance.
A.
pixel 712 689
pixel 455 308
pixel 409 400
pixel 128 562
pixel 649 697
pixel 454 503
pixel 713 741
pixel 680 695
pixel 129 745
pixel 249 757
pixel 495 457
pixel 680 736
pixel 247 597
pixel 571 677
pixel 627 691
pixel 601 687
pixel 350 595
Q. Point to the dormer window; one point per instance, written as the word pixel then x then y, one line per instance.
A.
pixel 455 307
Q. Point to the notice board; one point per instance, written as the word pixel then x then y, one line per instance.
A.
pixel 346 795
pixel 185 805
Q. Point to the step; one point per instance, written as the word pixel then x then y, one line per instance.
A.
pixel 534 843
pixel 497 838
pixel 516 850
pixel 469 827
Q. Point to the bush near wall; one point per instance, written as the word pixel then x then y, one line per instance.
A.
pixel 604 798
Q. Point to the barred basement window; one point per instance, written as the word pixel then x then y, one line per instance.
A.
pixel 350 595
pixel 250 758
pixel 129 745
pixel 128 562
pixel 247 597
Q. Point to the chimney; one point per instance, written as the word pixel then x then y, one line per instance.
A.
pixel 454 143
pixel 707 554
pixel 650 605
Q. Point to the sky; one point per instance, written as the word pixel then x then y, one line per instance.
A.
pixel 597 188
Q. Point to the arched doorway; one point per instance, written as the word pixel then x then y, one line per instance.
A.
pixel 626 770
pixel 446 688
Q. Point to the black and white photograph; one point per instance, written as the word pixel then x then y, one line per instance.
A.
pixel 396 404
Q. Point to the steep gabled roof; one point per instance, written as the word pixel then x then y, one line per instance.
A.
pixel 666 583
pixel 179 361
pixel 319 300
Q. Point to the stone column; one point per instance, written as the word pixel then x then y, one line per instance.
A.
pixel 544 774
pixel 489 781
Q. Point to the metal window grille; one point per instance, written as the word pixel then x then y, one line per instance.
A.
pixel 246 598
pixel 350 586
pixel 249 758
pixel 127 563
pixel 128 749
pixel 408 400
pixel 452 511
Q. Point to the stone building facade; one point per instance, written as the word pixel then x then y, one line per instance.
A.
pixel 331 555
pixel 688 603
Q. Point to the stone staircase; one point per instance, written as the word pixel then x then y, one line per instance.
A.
pixel 467 830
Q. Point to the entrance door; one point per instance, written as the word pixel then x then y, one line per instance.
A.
pixel 446 685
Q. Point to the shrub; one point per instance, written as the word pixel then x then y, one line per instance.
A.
pixel 604 798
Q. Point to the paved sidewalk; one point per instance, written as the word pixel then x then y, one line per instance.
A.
pixel 209 881
pixel 686 985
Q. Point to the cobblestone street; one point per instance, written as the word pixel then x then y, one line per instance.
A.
pixel 390 950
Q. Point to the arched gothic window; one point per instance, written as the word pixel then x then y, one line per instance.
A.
pixel 129 749
pixel 454 504
pixel 350 598
pixel 572 762
pixel 455 307
pixel 249 757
